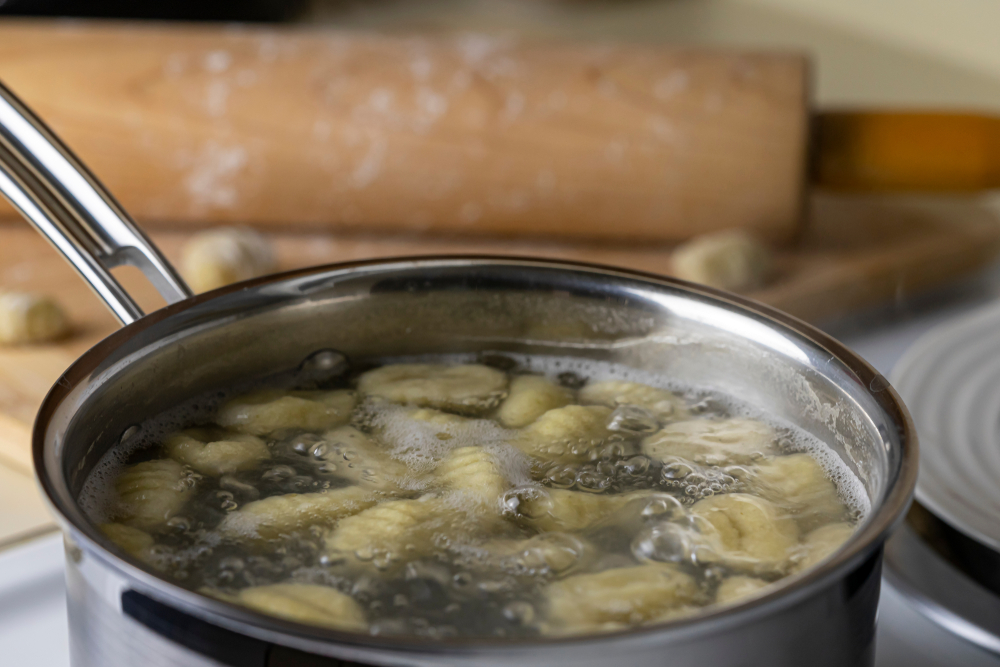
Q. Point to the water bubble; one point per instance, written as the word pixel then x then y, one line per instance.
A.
pixel 364 589
pixel 669 542
pixel 499 361
pixel 571 380
pixel 129 433
pixel 632 419
pixel 181 524
pixel 323 365
pixel 389 626
pixel 492 587
pixel 231 483
pixel 319 450
pixel 637 466
pixel 663 506
pixel 278 473
pixel 303 444
pixel 520 612
pixel 530 502
pixel 232 563
pixel 561 477
pixel 462 579
pixel 676 470
pixel 383 560
pixel 593 481
pixel 551 552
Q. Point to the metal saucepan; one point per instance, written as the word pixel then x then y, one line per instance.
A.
pixel 122 614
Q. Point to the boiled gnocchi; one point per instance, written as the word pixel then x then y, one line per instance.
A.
pixel 798 481
pixel 391 531
pixel 136 543
pixel 468 388
pixel 152 492
pixel 306 603
pixel 616 598
pixel 712 442
pixel 751 531
pixel 215 454
pixel 572 433
pixel 445 499
pixel 275 516
pixel 821 543
pixel 359 459
pixel 529 397
pixel 473 472
pixel 266 412
pixel 661 403
pixel 562 510
pixel 737 588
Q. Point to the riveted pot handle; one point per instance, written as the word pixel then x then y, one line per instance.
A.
pixel 59 196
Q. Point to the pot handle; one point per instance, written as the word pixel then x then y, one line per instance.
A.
pixel 59 196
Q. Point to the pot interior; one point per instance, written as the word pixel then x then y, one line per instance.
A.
pixel 694 336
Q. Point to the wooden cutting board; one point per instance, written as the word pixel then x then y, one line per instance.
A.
pixel 854 254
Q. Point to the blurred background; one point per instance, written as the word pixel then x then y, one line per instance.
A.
pixel 836 159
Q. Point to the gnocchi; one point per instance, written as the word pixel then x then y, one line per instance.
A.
pixel 530 397
pixel 468 388
pixel 729 260
pixel 216 454
pixel 218 257
pixel 734 589
pixel 473 471
pixel 563 510
pixel 151 492
pixel 268 411
pixel 359 459
pixel 30 318
pixel 390 530
pixel 751 531
pixel 306 603
pixel 663 404
pixel 715 442
pixel 571 433
pixel 821 543
pixel 798 481
pixel 438 500
pixel 275 516
pixel 548 552
pixel 616 598
pixel 136 543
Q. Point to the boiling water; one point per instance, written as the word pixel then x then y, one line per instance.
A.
pixel 478 576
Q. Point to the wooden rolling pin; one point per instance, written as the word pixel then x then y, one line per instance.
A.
pixel 468 133
pixel 318 129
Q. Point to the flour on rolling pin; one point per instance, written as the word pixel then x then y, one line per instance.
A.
pixel 469 133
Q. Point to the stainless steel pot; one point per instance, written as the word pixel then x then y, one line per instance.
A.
pixel 122 613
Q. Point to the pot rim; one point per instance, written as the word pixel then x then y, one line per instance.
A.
pixel 887 511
